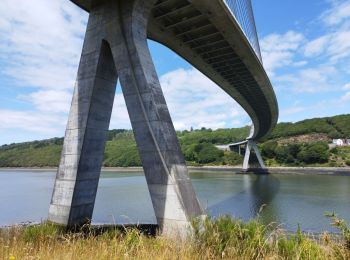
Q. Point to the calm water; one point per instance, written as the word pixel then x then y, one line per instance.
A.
pixel 124 198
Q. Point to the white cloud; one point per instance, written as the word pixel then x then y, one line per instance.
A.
pixel 338 14
pixel 300 63
pixel 334 45
pixel 120 117
pixel 196 101
pixel 41 41
pixel 317 46
pixel 40 45
pixel 339 46
pixel 308 80
pixel 346 96
pixel 279 50
pixel 33 121
pixel 330 50
pixel 50 100
pixel 193 101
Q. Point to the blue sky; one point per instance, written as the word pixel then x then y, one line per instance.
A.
pixel 305 47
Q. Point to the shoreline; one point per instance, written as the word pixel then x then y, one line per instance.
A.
pixel 339 171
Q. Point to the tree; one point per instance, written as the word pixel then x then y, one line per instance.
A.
pixel 282 154
pixel 314 153
pixel 209 153
pixel 268 149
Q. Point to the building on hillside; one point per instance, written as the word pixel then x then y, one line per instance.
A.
pixel 341 142
pixel 338 142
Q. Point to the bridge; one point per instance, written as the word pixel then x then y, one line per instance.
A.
pixel 217 37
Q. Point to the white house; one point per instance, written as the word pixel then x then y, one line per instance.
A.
pixel 338 142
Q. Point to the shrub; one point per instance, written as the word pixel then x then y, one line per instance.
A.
pixel 232 158
pixel 314 153
pixel 209 153
pixel 190 153
pixel 282 154
pixel 268 149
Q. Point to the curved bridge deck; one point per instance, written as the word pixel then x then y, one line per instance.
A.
pixel 207 35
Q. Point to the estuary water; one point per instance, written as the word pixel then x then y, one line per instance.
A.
pixel 123 197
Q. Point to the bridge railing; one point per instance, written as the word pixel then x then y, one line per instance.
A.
pixel 243 12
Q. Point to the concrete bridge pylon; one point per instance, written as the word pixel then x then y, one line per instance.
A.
pixel 251 145
pixel 115 46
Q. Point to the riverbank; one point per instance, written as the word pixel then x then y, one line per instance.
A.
pixel 224 238
pixel 339 171
pixel 345 171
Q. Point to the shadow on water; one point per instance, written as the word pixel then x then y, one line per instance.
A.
pixel 256 199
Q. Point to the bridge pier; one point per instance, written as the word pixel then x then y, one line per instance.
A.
pixel 251 145
pixel 115 46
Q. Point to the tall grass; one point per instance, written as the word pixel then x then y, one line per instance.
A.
pixel 342 226
pixel 221 238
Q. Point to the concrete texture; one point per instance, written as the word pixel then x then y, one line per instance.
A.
pixel 116 44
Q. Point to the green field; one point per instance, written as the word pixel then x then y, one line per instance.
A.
pixel 303 143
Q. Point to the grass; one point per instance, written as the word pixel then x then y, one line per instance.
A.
pixel 223 237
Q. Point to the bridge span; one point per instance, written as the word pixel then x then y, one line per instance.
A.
pixel 217 37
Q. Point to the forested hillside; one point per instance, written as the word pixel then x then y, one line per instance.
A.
pixel 301 143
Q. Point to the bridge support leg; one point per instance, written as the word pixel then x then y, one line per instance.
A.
pixel 122 26
pixel 78 174
pixel 249 146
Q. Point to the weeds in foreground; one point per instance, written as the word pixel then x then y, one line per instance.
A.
pixel 342 226
pixel 223 237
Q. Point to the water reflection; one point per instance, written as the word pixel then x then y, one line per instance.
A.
pixel 255 199
pixel 263 191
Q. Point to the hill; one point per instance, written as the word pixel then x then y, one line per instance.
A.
pixel 301 143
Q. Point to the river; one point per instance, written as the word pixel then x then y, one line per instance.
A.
pixel 123 197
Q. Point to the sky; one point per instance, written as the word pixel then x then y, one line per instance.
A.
pixel 305 48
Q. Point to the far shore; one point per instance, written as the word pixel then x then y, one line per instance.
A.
pixel 340 171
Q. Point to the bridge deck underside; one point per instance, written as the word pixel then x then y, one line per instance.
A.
pixel 193 30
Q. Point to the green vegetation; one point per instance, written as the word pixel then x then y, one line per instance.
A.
pixel 37 153
pixel 121 150
pixel 223 237
pixel 333 127
pixel 304 143
pixel 296 154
